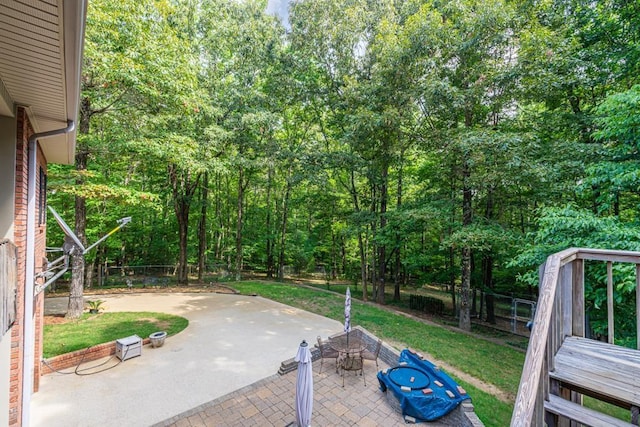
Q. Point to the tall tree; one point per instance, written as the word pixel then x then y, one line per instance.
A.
pixel 239 44
pixel 120 73
pixel 467 51
pixel 333 37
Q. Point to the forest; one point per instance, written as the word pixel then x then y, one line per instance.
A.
pixel 384 142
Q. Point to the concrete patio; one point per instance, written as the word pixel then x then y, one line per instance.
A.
pixel 220 371
pixel 232 341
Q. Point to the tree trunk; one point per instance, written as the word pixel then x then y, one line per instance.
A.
pixel 183 188
pixel 239 223
pixel 202 228
pixel 371 243
pixel 334 255
pixel 283 229
pixel 452 255
pixel 398 263
pixel 88 273
pixel 465 285
pixel 182 214
pixel 452 277
pixel 361 245
pixel 270 234
pixel 487 267
pixel 487 278
pixel 382 248
pixel 363 267
pixel 219 233
pixel 372 268
pixel 76 287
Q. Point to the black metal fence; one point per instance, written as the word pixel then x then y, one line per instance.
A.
pixel 151 275
pixel 426 304
pixel 510 312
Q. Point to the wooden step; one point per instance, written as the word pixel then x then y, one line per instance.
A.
pixel 581 414
pixel 604 371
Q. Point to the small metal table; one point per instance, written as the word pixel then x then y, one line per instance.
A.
pixel 350 353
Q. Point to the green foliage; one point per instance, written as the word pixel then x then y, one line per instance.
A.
pixel 95 305
pixel 364 128
pixel 614 180
pixel 619 118
pixel 561 228
pixel 490 237
pixel 352 138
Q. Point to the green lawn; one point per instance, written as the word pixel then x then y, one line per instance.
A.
pixel 492 363
pixel 93 329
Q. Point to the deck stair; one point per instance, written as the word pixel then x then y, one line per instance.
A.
pixel 576 412
pixel 603 371
pixel 562 365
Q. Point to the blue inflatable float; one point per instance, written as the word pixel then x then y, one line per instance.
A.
pixel 422 390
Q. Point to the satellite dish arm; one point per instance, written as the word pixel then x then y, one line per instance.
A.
pixel 72 246
pixel 55 264
pixel 122 222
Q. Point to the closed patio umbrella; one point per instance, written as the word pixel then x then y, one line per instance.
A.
pixel 304 386
pixel 347 314
pixel 347 311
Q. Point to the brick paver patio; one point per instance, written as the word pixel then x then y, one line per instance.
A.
pixel 270 402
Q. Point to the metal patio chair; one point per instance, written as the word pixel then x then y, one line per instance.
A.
pixel 327 352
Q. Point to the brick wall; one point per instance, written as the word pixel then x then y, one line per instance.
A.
pixel 76 358
pixel 20 238
pixel 40 257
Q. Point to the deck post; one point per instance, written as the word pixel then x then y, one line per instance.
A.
pixel 638 306
pixel 578 317
pixel 610 325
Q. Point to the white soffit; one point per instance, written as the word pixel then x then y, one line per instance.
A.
pixel 40 55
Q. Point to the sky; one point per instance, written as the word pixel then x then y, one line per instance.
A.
pixel 279 8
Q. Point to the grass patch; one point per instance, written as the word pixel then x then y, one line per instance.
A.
pixel 492 411
pixel 606 408
pixel 490 362
pixel 93 329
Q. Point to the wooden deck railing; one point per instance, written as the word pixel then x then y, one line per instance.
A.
pixel 8 284
pixel 561 313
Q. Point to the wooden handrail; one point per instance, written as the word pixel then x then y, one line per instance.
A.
pixel 531 387
pixel 527 392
